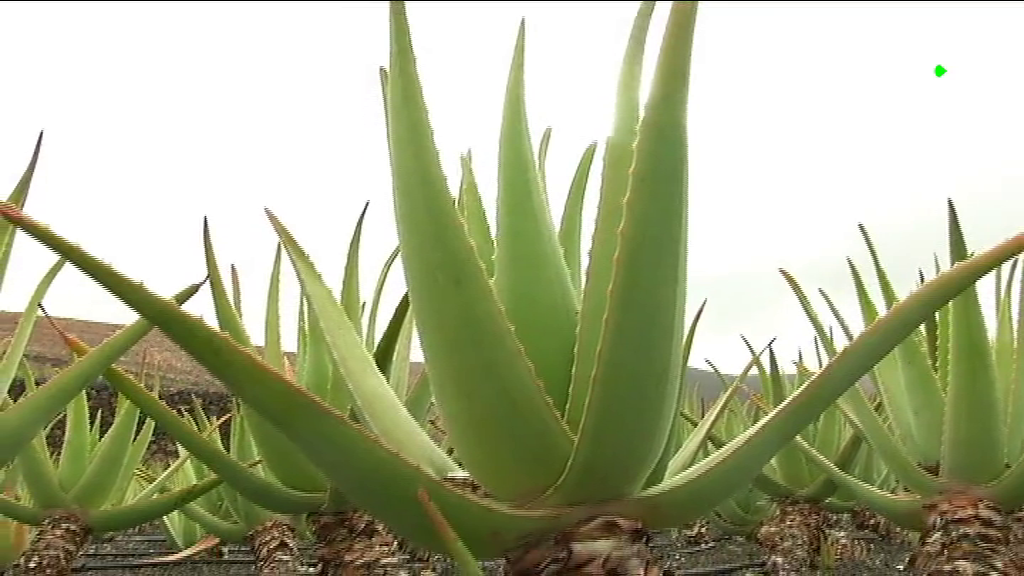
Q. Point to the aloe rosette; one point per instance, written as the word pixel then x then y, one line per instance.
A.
pixel 264 499
pixel 89 476
pixel 803 525
pixel 86 490
pixel 950 432
pixel 558 399
pixel 334 522
pixel 186 530
pixel 222 516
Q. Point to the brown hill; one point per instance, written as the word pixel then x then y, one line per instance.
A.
pixel 175 368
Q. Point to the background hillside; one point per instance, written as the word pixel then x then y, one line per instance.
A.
pixel 175 368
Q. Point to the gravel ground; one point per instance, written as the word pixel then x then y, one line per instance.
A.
pixel 680 554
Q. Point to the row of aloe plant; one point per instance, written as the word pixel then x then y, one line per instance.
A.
pixel 558 390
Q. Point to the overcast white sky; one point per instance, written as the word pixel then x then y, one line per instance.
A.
pixel 805 119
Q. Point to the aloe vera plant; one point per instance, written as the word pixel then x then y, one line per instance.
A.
pixel 284 484
pixel 87 490
pixel 951 436
pixel 558 399
pixel 222 515
pixel 90 475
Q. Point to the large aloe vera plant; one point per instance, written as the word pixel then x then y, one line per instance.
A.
pixel 558 398
pixel 951 436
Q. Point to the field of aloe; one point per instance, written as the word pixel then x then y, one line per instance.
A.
pixel 552 431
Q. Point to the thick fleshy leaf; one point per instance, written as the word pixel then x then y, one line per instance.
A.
pixel 634 386
pixel 483 383
pixel 18 197
pixel 973 442
pixel 542 153
pixel 145 511
pixel 1015 392
pixel 349 298
pixel 471 208
pixel 925 402
pixel 26 322
pixel 95 487
pixel 618 159
pixel 40 476
pixel 572 217
pixel 371 321
pixel 676 436
pixel 530 275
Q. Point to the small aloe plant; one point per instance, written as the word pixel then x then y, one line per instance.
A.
pixel 950 433
pixel 87 490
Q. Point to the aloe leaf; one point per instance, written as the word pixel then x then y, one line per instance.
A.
pixel 790 467
pixel 273 354
pixel 973 445
pixel 676 436
pixel 762 482
pixel 618 159
pixel 227 315
pixel 634 385
pixel 26 322
pixel 542 155
pixel 371 322
pixel 350 300
pixel 287 465
pixel 315 373
pixel 1015 396
pixel 483 383
pixel 890 382
pixel 236 292
pixel 76 444
pixel 530 275
pixel 695 492
pixel 41 481
pixel 687 454
pixel 471 208
pixel 572 217
pixel 463 558
pixel 925 402
pixel 22 513
pixel 95 486
pixel 418 400
pixel 18 197
pixel 147 510
pixel 136 455
pixel 392 352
